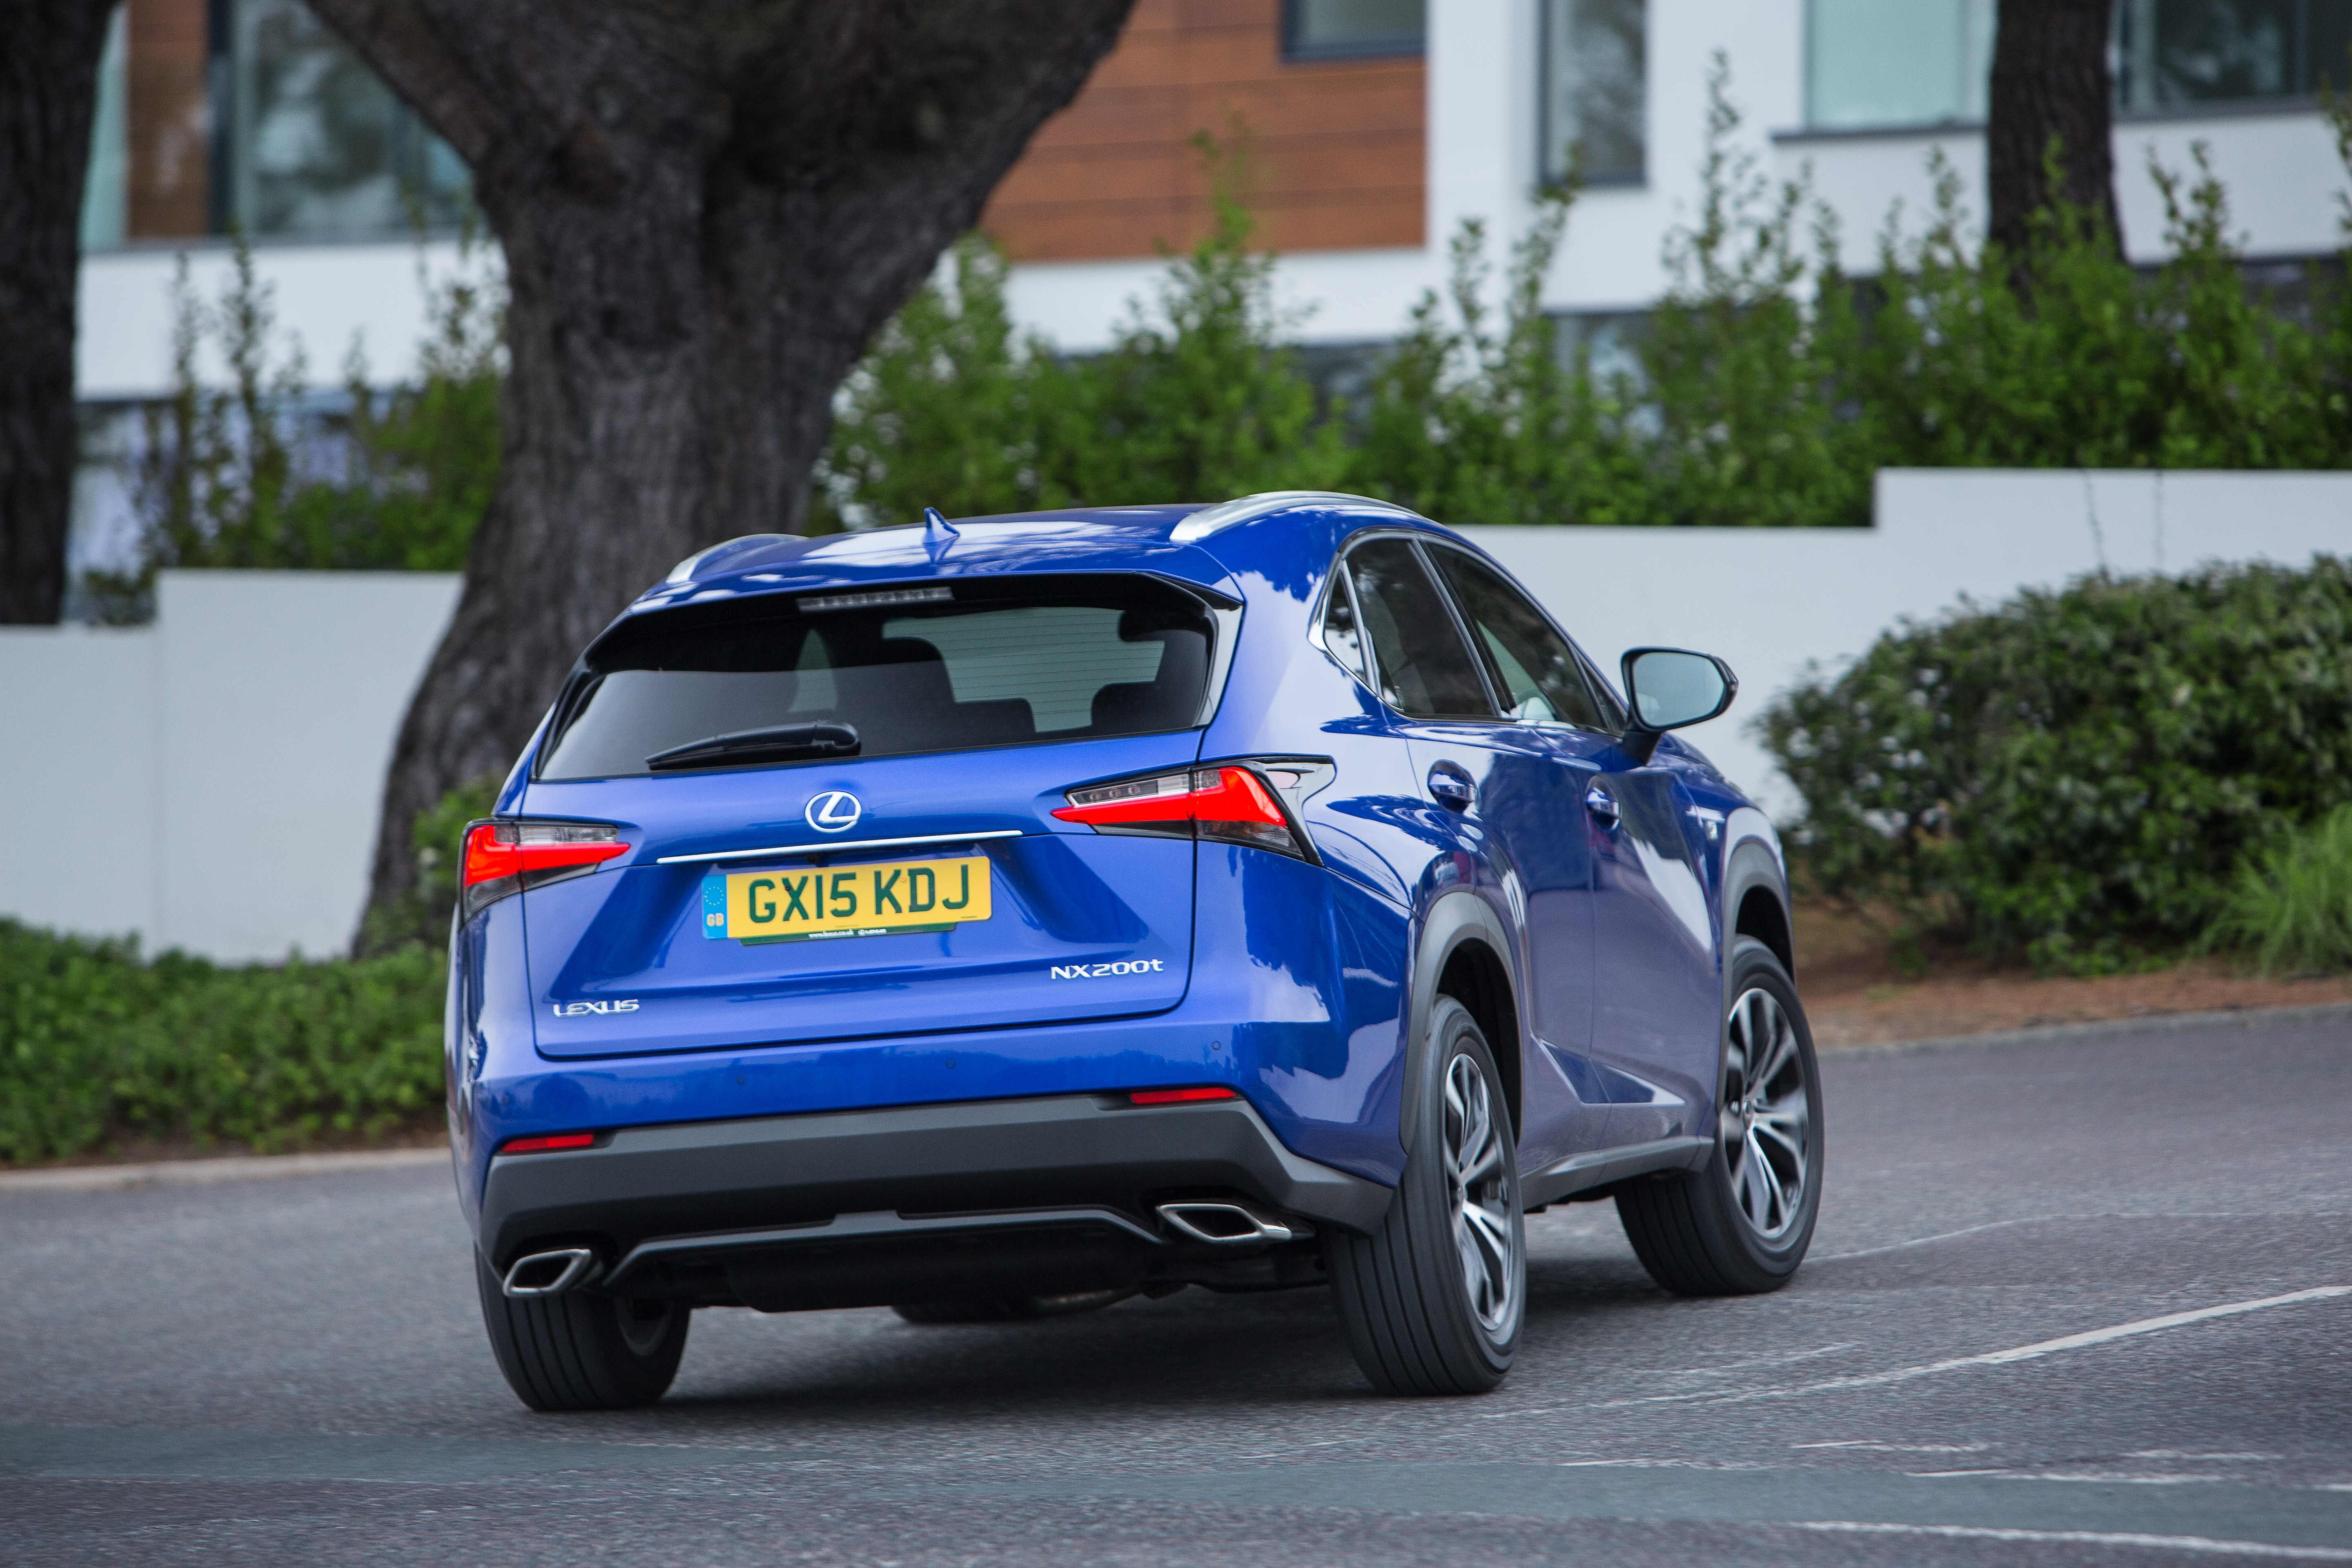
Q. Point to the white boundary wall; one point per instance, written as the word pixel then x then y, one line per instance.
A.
pixel 212 781
pixel 1769 601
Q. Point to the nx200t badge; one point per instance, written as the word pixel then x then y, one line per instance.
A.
pixel 581 1009
pixel 835 811
pixel 1103 971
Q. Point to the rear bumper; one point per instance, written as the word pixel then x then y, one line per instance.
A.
pixel 709 1209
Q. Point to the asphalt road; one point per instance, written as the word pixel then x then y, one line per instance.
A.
pixel 294 1372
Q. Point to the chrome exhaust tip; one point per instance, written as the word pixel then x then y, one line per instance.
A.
pixel 549 1273
pixel 1226 1224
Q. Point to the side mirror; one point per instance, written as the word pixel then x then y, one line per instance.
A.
pixel 1670 687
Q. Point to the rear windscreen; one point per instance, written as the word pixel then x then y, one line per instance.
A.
pixel 928 669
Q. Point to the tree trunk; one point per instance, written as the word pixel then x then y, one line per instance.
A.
pixel 49 52
pixel 706 211
pixel 2050 82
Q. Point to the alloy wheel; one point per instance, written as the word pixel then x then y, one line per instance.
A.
pixel 1480 1190
pixel 1766 1117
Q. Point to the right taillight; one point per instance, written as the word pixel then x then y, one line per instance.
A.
pixel 503 857
pixel 1230 802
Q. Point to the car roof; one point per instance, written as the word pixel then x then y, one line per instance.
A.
pixel 1175 541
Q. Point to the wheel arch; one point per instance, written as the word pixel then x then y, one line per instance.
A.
pixel 1465 954
pixel 1756 903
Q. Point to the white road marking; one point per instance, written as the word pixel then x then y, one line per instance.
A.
pixel 1904 1447
pixel 2105 1478
pixel 1947 1236
pixel 2043 1219
pixel 2197 1544
pixel 1994 1358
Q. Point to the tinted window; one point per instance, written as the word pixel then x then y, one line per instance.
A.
pixel 1596 89
pixel 1339 29
pixel 996 665
pixel 1537 669
pixel 1339 633
pixel 1422 667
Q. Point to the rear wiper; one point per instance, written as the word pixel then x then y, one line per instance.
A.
pixel 780 742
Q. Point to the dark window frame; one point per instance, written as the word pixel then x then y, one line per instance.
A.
pixel 1395 45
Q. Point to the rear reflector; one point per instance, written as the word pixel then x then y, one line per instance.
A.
pixel 1228 801
pixel 545 1141
pixel 1178 1096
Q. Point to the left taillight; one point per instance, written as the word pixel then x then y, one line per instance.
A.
pixel 1232 802
pixel 506 856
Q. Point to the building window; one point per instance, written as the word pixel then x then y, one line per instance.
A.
pixel 318 146
pixel 1897 62
pixel 1352 29
pixel 1595 90
pixel 106 188
pixel 2179 53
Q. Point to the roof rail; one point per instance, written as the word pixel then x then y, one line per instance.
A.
pixel 1226 514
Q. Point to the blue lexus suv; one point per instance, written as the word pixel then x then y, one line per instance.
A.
pixel 999 919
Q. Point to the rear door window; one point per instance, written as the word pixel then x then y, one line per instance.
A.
pixel 1425 669
pixel 889 672
pixel 1540 676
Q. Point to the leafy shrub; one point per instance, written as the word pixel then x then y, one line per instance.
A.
pixel 97 1045
pixel 2077 774
pixel 256 474
pixel 2290 908
pixel 1195 398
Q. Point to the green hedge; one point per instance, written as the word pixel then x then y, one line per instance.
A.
pixel 2078 775
pixel 98 1044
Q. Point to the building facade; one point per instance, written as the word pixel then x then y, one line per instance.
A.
pixel 1374 129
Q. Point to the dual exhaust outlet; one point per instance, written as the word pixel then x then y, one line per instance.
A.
pixel 539 1275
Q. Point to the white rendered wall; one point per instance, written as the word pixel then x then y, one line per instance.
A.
pixel 1771 601
pixel 211 781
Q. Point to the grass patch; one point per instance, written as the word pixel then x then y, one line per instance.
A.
pixel 2290 908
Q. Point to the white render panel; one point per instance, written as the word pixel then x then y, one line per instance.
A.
pixel 1771 601
pixel 211 781
pixel 78 777
pixel 327 296
pixel 279 697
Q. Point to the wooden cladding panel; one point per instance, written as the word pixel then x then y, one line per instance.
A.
pixel 168 119
pixel 1338 146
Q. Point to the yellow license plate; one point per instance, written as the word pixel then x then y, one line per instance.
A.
pixel 857 901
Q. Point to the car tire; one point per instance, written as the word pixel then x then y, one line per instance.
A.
pixel 1007 1309
pixel 582 1351
pixel 1730 1228
pixel 1434 1300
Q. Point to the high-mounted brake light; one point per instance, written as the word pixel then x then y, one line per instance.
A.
pixel 1228 801
pixel 1179 1096
pixel 546 1143
pixel 503 857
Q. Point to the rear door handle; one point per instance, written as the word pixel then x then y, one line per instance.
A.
pixel 1601 805
pixel 1449 784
